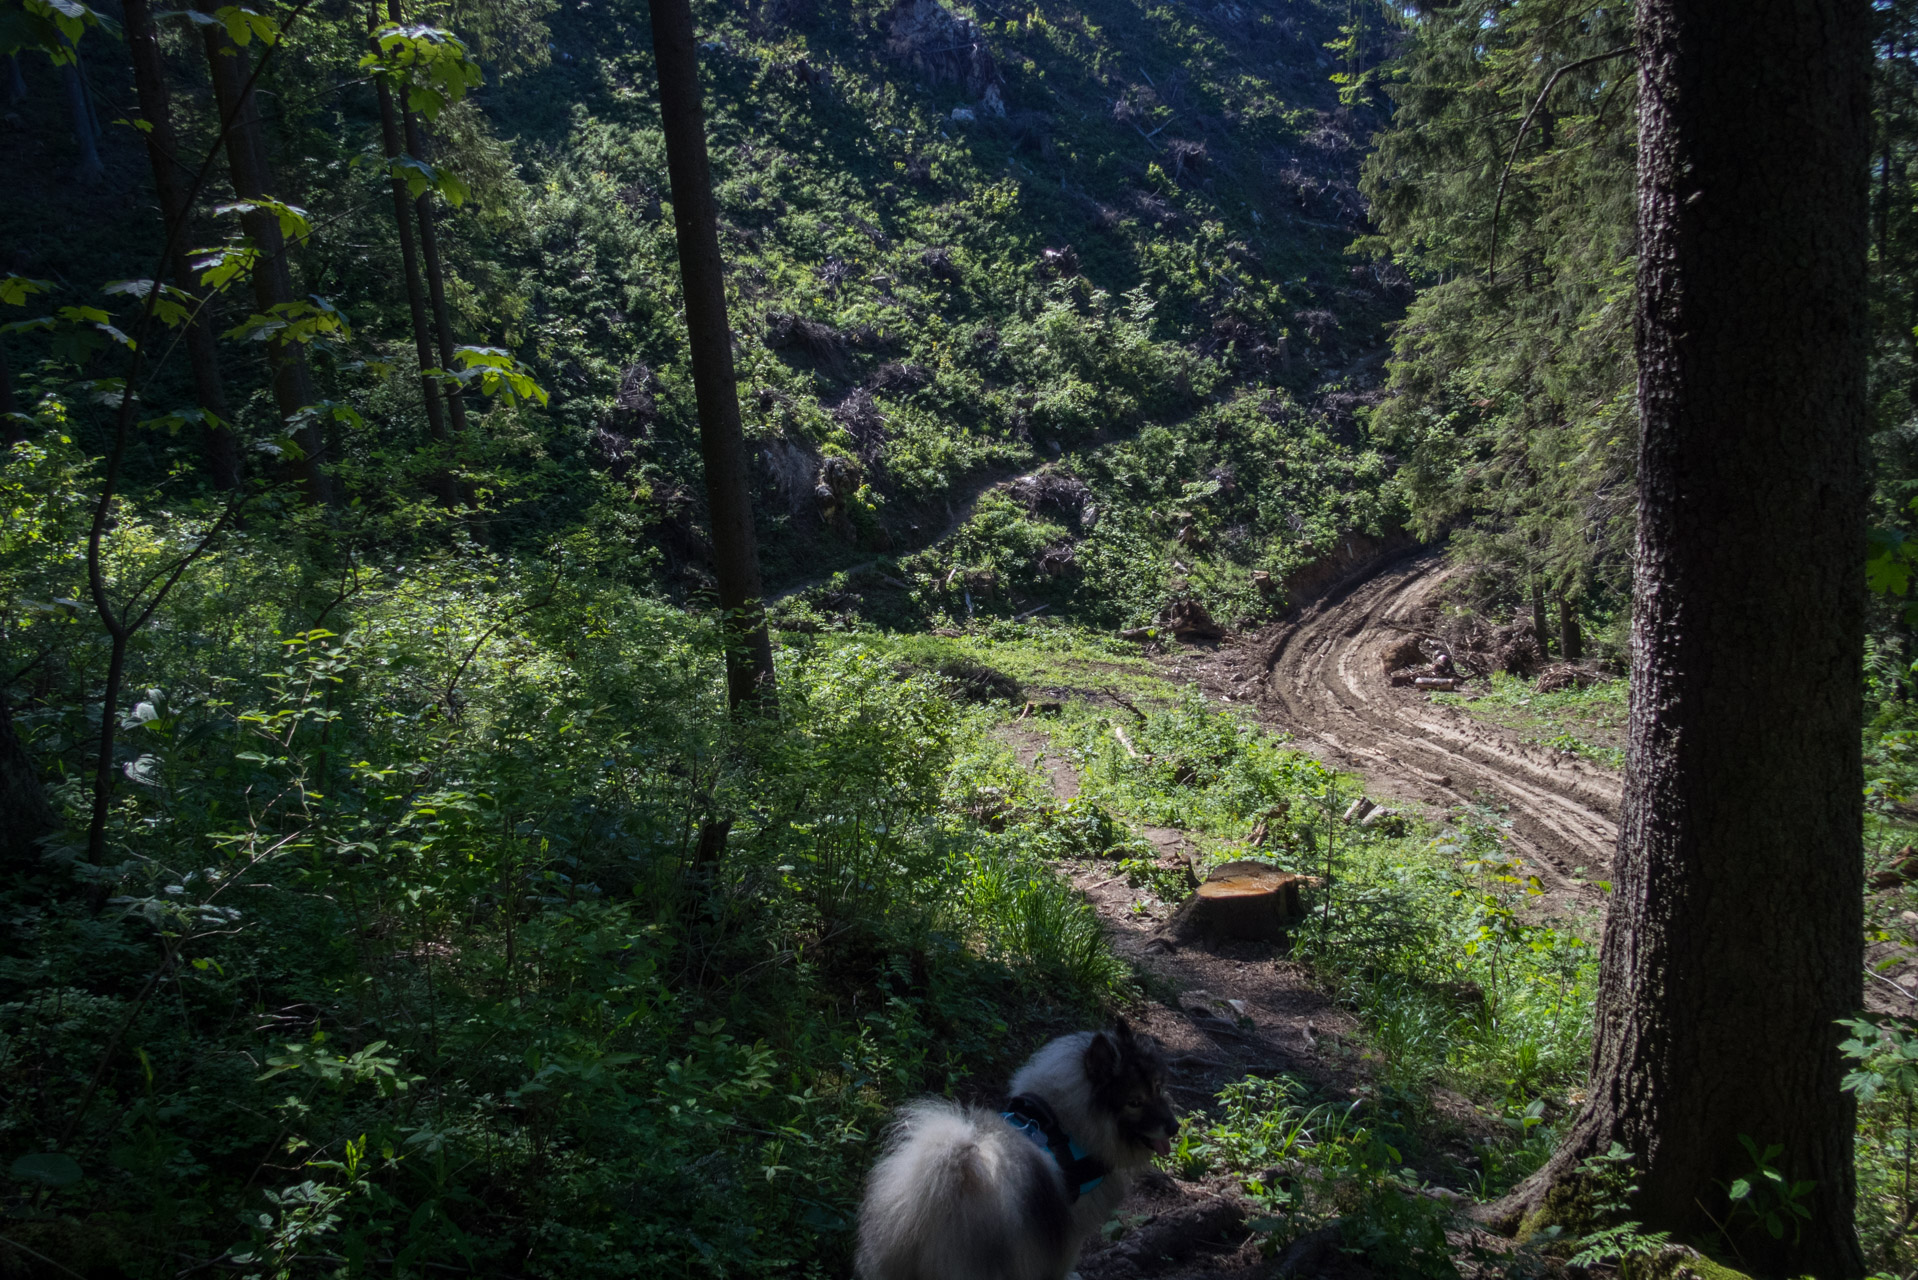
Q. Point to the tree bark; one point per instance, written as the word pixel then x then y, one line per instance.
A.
pixel 222 449
pixel 722 444
pixel 1734 936
pixel 1541 630
pixel 1570 639
pixel 415 292
pixel 435 275
pixel 272 275
pixel 430 252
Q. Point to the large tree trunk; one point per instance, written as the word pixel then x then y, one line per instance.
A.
pixel 1734 937
pixel 415 292
pixel 722 445
pixel 170 180
pixel 273 275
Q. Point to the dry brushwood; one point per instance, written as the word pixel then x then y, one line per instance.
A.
pixel 1189 620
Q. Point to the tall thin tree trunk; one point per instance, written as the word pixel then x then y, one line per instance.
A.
pixel 435 277
pixel 222 449
pixel 89 170
pixel 1541 629
pixel 430 253
pixel 415 293
pixel 1734 939
pixel 16 83
pixel 749 658
pixel 1571 641
pixel 273 275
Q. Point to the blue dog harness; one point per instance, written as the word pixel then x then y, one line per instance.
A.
pixel 1038 1122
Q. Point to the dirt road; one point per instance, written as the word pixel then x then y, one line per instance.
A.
pixel 1321 678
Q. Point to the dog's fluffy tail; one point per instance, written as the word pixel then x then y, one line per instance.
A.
pixel 957 1194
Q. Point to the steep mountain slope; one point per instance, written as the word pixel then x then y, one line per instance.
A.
pixel 963 243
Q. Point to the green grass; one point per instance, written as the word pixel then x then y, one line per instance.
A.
pixel 1588 722
pixel 1048 660
pixel 1430 937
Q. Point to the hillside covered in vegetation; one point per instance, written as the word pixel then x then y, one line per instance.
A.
pixel 389 887
pixel 1107 243
pixel 427 908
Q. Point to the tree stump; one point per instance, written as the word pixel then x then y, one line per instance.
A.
pixel 1246 901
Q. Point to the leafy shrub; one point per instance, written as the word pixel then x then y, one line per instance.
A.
pixel 1304 1166
pixel 409 950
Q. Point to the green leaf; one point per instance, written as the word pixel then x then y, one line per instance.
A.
pixel 14 290
pixel 1888 561
pixel 220 267
pixel 294 223
pixel 98 319
pixel 302 320
pixel 497 372
pixel 178 418
pixel 421 177
pixel 431 64
pixel 172 307
pixel 49 1169
pixel 242 25
pixel 337 410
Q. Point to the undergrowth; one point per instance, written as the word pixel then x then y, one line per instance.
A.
pixel 1431 935
pixel 413 949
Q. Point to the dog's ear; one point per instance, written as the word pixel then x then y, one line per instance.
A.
pixel 1123 1030
pixel 1102 1059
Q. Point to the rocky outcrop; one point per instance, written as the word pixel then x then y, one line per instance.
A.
pixel 945 48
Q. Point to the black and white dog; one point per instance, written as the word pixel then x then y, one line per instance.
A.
pixel 963 1193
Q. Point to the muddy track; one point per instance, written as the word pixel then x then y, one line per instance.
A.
pixel 1322 678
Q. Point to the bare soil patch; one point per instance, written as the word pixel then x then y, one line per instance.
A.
pixel 1324 678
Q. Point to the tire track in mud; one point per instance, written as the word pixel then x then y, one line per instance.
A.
pixel 1321 677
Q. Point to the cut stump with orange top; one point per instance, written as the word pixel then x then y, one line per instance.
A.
pixel 1245 901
